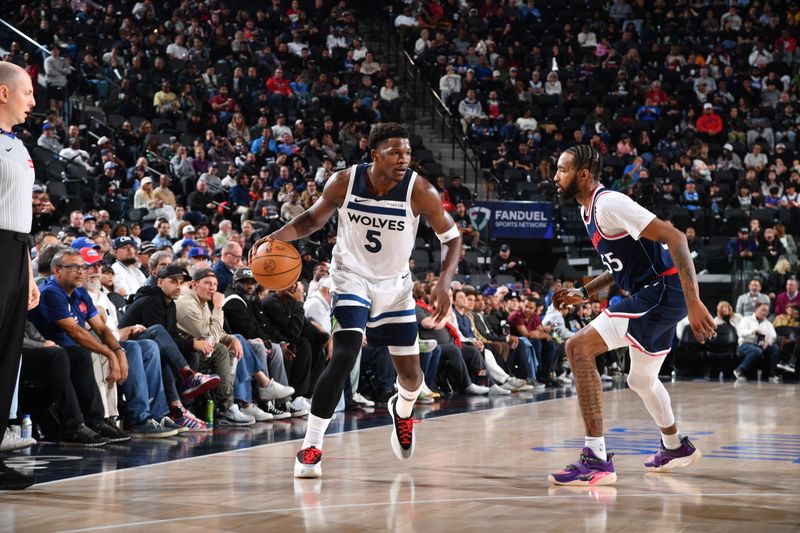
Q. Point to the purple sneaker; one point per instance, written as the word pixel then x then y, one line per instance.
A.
pixel 664 459
pixel 587 471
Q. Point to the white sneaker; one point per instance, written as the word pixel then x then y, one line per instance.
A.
pixel 274 391
pixel 366 402
pixel 256 412
pixel 308 463
pixel 302 403
pixel 477 390
pixel 739 376
pixel 497 390
pixel 12 441
pixel 606 377
pixel 564 380
pixel 234 417
pixel 774 379
pixel 519 384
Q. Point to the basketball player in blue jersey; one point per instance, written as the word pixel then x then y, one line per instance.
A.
pixel 379 206
pixel 650 259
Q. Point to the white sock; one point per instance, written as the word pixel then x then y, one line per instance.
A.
pixel 315 431
pixel 598 446
pixel 671 442
pixel 405 400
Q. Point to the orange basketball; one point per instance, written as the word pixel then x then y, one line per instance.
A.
pixel 277 269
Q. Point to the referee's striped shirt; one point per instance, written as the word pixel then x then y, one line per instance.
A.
pixel 16 184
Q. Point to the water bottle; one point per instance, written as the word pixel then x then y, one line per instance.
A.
pixel 26 431
pixel 210 412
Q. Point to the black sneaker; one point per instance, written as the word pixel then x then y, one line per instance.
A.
pixel 111 432
pixel 10 479
pixel 83 437
pixel 287 407
pixel 277 413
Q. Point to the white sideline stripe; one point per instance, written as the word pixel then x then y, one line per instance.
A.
pixel 163 463
pixel 428 502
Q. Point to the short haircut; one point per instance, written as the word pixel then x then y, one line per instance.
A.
pixel 384 132
pixel 586 157
pixel 9 74
pixel 58 259
pixel 156 257
pixel 45 258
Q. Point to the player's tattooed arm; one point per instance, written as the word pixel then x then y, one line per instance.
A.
pixel 599 284
pixel 700 320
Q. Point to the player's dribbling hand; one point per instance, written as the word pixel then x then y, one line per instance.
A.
pixel 701 322
pixel 567 297
pixel 254 249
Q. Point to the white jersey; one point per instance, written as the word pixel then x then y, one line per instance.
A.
pixel 16 185
pixel 376 233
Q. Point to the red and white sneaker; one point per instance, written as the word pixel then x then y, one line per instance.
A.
pixel 308 463
pixel 189 421
pixel 402 438
pixel 199 384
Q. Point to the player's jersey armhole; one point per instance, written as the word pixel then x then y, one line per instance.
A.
pixel 603 234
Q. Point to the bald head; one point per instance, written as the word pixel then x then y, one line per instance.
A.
pixel 11 74
pixel 16 95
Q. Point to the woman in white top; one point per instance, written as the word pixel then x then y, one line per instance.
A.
pixel 145 197
pixel 552 86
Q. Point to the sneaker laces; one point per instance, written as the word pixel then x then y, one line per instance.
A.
pixel 405 430
pixel 310 456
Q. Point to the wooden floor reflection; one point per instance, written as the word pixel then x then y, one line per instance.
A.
pixel 478 471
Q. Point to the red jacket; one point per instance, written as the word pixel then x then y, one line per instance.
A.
pixel 279 86
pixel 710 123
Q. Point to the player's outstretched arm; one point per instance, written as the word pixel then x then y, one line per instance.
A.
pixel 313 218
pixel 426 201
pixel 700 320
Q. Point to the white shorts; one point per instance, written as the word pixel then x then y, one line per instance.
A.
pixel 384 310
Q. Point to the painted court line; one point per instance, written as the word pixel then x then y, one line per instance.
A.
pixel 266 445
pixel 425 502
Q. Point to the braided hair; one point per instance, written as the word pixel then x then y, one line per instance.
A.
pixel 586 157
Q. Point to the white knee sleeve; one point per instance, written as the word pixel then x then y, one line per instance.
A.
pixel 643 379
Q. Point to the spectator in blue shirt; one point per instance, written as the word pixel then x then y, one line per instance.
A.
pixel 240 197
pixel 648 111
pixel 62 315
pixel 690 197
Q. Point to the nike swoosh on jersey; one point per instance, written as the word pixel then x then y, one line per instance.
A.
pixel 9 149
pixel 360 200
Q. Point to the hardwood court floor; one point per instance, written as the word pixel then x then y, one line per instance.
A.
pixel 477 471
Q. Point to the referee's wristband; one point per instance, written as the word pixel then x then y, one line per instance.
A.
pixel 584 292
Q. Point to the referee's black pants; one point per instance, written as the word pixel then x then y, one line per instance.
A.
pixel 13 311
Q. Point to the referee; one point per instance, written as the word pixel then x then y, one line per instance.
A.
pixel 18 292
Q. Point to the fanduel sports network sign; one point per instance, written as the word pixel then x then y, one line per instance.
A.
pixel 514 220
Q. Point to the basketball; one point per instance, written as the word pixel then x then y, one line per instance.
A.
pixel 278 268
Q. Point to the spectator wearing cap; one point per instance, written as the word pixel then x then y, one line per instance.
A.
pixel 244 316
pixel 450 83
pixel 66 316
pixel 199 257
pixel 143 253
pixel 187 239
pixel 200 321
pixel 230 261
pixel 709 125
pixel 729 160
pixel 48 139
pixel 129 277
pixel 741 248
pixel 505 263
pixel 470 110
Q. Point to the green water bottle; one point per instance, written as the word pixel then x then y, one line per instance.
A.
pixel 210 412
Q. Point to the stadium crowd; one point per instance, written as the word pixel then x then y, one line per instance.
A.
pixel 173 134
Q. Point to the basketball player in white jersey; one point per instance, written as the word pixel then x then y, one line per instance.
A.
pixel 379 206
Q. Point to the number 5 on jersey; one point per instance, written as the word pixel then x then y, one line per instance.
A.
pixel 612 263
pixel 374 245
